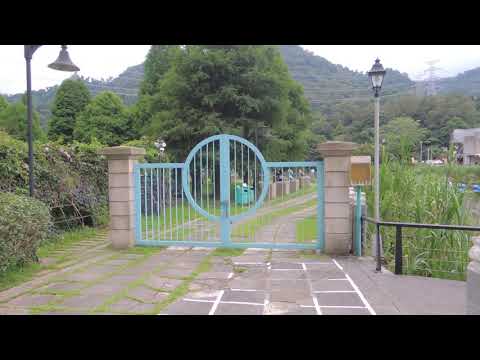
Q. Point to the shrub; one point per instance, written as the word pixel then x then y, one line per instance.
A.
pixel 24 225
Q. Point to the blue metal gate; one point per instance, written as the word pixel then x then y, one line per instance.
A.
pixel 227 195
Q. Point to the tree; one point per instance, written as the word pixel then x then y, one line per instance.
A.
pixel 104 119
pixel 3 103
pixel 71 99
pixel 402 135
pixel 159 60
pixel 230 89
pixel 13 119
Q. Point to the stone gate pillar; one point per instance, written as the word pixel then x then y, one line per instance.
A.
pixel 473 279
pixel 338 216
pixel 121 193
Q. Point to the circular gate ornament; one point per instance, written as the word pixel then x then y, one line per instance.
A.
pixel 221 157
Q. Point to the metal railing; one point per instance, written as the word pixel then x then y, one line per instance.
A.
pixel 398 252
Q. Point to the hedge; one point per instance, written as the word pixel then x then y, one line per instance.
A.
pixel 25 224
pixel 71 179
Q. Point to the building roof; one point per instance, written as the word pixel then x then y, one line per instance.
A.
pixel 458 135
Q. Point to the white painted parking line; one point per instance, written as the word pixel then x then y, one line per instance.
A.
pixel 286 269
pixel 338 265
pixel 199 300
pixel 230 275
pixel 241 303
pixel 318 263
pixel 333 291
pixel 314 298
pixel 357 290
pixel 365 302
pixel 342 307
pixel 245 290
pixel 215 304
pixel 343 279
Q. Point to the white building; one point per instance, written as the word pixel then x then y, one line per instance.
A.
pixel 467 143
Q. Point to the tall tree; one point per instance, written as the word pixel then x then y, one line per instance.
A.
pixel 3 103
pixel 159 60
pixel 402 136
pixel 243 90
pixel 13 119
pixel 71 99
pixel 104 119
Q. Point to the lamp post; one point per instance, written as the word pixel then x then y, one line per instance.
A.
pixel 376 75
pixel 63 63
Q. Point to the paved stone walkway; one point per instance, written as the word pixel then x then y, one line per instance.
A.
pixel 274 283
pixel 92 278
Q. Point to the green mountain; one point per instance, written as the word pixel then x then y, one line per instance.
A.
pixel 327 84
pixel 466 83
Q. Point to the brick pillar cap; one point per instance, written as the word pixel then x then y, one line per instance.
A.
pixel 336 148
pixel 122 152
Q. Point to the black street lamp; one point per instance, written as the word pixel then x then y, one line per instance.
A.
pixel 376 75
pixel 63 63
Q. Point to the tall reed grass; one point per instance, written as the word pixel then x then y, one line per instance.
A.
pixel 424 194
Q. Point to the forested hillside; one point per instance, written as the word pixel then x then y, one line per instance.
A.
pixel 327 84
pixel 466 83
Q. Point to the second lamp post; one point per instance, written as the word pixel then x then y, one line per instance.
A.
pixel 376 75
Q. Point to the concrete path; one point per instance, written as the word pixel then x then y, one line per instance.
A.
pixel 92 278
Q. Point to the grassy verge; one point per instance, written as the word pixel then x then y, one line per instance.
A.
pixel 250 227
pixel 21 274
pixel 306 229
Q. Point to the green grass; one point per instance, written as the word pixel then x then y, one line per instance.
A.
pixel 306 229
pixel 227 252
pixel 65 240
pixel 20 274
pixel 250 227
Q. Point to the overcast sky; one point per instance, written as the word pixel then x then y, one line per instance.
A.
pixel 103 61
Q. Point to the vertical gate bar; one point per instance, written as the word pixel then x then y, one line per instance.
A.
pixel 176 202
pixel 145 201
pixel 320 206
pixel 398 251
pixel 158 207
pixel 164 208
pixel 255 180
pixel 229 177
pixel 224 189
pixel 208 193
pixel 358 225
pixel 170 201
pixel 235 175
pixel 188 205
pixel 151 200
pixel 183 216
pixel 248 169
pixel 138 204
pixel 213 179
pixel 243 176
pixel 201 177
